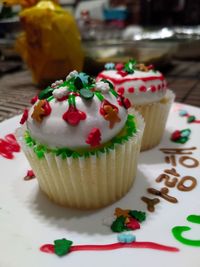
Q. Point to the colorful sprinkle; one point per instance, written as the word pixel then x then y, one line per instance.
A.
pixel 94 137
pixel 24 117
pixel 62 246
pixel 102 86
pixel 181 136
pixel 86 94
pixel 191 119
pixel 126 238
pixel 109 66
pixel 133 224
pixel 29 176
pixel 119 66
pixel 46 93
pixel 110 113
pixel 41 110
pixel 34 100
pixel 8 146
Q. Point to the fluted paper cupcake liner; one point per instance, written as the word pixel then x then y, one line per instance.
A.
pixel 91 182
pixel 155 116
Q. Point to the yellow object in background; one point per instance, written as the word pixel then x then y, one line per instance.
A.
pixel 50 43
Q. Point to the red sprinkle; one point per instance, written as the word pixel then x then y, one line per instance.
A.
pixel 176 135
pixel 131 90
pixel 94 137
pixel 9 146
pixel 29 176
pixel 24 116
pixel 122 73
pixel 119 66
pixel 133 224
pixel 34 100
pixel 143 89
pixel 120 90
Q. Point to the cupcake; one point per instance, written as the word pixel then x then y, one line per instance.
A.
pixel 81 142
pixel 147 90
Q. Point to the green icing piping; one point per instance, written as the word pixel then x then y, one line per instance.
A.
pixel 40 150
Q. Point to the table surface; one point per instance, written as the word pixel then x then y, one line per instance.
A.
pixel 16 89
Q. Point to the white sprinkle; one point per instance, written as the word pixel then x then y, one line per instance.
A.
pixel 71 75
pixel 56 83
pixel 103 87
pixel 60 92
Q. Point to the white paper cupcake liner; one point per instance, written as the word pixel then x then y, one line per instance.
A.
pixel 88 183
pixel 155 116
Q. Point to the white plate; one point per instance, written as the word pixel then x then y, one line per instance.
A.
pixel 28 219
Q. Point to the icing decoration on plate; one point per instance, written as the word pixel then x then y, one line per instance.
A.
pixel 170 178
pixel 181 136
pixel 126 220
pixel 190 118
pixel 8 146
pixel 29 175
pixel 68 248
pixel 178 232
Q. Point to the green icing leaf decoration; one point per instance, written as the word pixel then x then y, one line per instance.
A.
pixel 87 94
pixel 62 246
pixel 138 215
pixel 40 150
pixel 130 66
pixel 44 94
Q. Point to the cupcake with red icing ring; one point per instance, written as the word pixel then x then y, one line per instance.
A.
pixel 147 91
pixel 81 142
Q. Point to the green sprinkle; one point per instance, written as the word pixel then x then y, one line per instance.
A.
pixel 62 246
pixel 138 215
pixel 50 98
pixel 114 92
pixel 118 225
pixel 87 94
pixel 130 66
pixel 191 119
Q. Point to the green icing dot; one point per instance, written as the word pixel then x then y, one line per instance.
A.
pixel 62 246
pixel 119 225
pixel 87 94
pixel 45 93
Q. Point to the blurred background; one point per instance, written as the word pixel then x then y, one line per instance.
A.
pixel 165 33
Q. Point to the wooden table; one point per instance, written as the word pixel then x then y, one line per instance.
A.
pixel 17 89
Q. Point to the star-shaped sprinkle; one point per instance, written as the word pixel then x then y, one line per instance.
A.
pixel 120 212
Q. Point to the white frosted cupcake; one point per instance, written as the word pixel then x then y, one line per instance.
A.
pixel 148 92
pixel 81 143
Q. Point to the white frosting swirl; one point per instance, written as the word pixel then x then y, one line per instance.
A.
pixel 54 131
pixel 140 87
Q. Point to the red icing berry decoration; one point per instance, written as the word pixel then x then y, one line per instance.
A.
pixel 24 116
pixel 176 135
pixel 143 89
pixel 34 100
pixel 153 88
pixel 94 137
pixel 119 66
pixel 131 90
pixel 120 90
pixel 73 116
pixel 133 224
